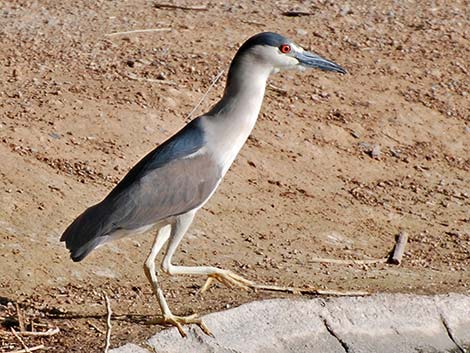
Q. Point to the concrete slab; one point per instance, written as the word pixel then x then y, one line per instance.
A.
pixel 381 323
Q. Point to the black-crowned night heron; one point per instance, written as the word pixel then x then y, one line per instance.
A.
pixel 169 185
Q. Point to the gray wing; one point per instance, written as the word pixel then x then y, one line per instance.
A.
pixel 176 177
pixel 173 189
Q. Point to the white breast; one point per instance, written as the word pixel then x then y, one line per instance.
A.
pixel 225 140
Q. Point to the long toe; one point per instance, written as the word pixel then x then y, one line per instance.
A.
pixel 179 321
pixel 229 279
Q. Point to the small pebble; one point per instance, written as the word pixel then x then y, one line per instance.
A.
pixel 395 153
pixel 375 153
pixel 55 136
pixel 345 10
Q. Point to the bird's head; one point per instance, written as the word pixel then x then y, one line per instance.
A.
pixel 279 53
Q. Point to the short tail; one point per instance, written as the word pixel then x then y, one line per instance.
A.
pixel 85 233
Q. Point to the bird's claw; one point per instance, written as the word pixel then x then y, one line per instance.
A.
pixel 179 321
pixel 229 279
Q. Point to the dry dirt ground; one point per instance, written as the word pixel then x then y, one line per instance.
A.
pixel 335 168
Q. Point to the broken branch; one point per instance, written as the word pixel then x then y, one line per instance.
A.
pixel 20 317
pixel 26 349
pixel 399 249
pixel 297 13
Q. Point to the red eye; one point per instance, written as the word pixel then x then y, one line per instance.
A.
pixel 285 48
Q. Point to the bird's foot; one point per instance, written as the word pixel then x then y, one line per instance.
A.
pixel 228 278
pixel 179 321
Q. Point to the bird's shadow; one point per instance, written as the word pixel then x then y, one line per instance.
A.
pixel 58 314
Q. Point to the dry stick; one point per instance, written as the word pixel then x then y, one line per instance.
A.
pixel 20 317
pixel 50 332
pixel 399 248
pixel 253 23
pixel 349 262
pixel 244 283
pixel 394 259
pixel 310 290
pixel 139 31
pixel 214 81
pixel 108 324
pixel 26 349
pixel 95 327
pixel 35 348
pixel 297 13
pixel 391 137
pixel 277 89
pixel 182 7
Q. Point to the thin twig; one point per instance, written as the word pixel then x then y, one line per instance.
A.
pixel 108 324
pixel 294 13
pixel 214 81
pixel 399 248
pixel 20 317
pixel 95 327
pixel 35 348
pixel 167 29
pixel 277 89
pixel 50 332
pixel 244 283
pixel 349 262
pixel 391 137
pixel 26 349
pixel 253 23
pixel 309 290
pixel 182 7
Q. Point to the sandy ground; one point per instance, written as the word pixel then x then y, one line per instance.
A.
pixel 335 168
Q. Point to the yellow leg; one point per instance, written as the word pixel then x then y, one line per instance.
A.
pixel 167 318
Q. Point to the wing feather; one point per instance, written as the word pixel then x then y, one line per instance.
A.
pixel 176 177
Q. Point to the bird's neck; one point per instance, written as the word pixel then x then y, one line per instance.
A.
pixel 243 95
pixel 230 122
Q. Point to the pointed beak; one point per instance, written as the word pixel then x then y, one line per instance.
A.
pixel 308 59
